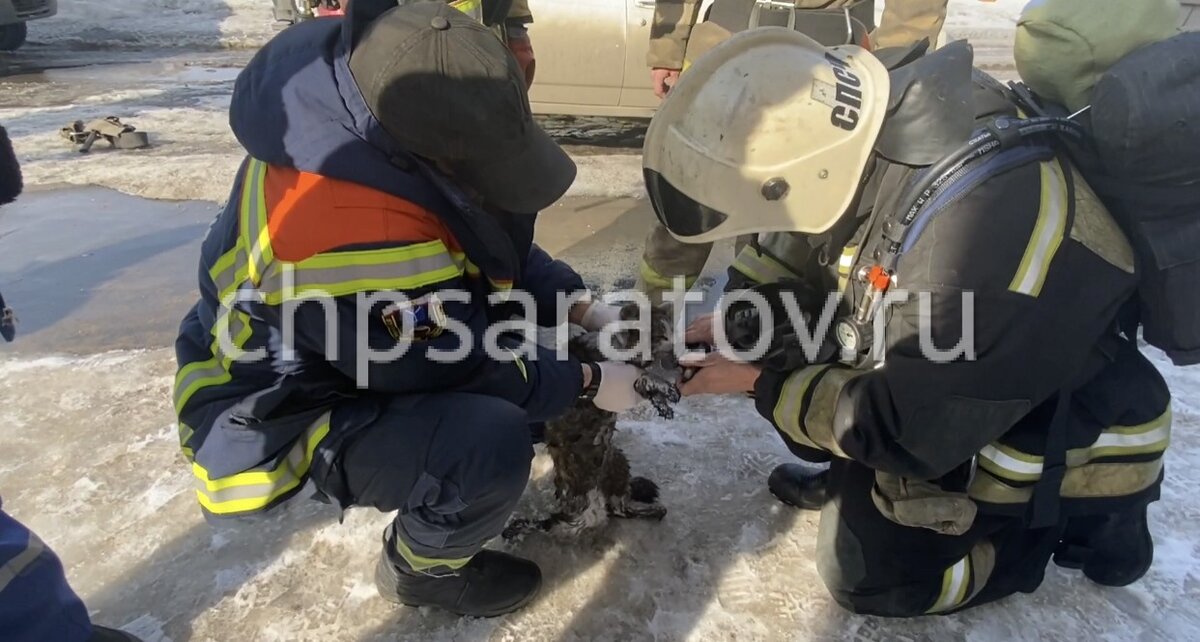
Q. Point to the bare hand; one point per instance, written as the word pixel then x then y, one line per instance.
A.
pixel 661 80
pixel 717 375
pixel 700 331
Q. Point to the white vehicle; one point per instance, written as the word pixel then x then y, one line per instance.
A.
pixel 1191 15
pixel 591 57
pixel 13 16
pixel 591 54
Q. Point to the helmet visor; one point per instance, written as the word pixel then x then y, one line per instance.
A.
pixel 679 213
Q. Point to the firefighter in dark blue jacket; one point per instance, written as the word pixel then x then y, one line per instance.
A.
pixel 386 205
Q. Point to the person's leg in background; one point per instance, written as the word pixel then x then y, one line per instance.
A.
pixel 36 602
pixel 664 258
pixel 905 22
pixel 453 466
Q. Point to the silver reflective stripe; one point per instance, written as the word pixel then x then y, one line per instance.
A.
pixel 954 586
pixel 1047 235
pixel 338 274
pixel 200 374
pixel 1009 463
pixel 1117 441
pixel 1155 436
pixel 13 567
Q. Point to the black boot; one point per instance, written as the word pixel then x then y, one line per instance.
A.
pixel 105 634
pixel 799 485
pixel 1112 550
pixel 491 584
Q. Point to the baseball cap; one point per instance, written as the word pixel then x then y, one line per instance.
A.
pixel 445 87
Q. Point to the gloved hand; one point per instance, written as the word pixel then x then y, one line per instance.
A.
pixel 616 392
pixel 598 315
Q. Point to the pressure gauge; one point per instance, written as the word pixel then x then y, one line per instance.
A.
pixel 848 336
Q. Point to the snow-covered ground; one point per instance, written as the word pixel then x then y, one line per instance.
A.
pixel 137 24
pixel 113 495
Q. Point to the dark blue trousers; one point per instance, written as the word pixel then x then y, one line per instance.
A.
pixel 36 603
pixel 452 465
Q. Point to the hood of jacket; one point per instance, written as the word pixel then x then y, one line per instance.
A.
pixel 296 105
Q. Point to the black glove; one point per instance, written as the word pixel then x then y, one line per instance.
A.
pixel 785 353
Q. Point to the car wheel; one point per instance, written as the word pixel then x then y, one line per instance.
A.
pixel 13 36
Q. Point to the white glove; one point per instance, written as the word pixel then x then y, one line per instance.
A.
pixel 616 393
pixel 598 315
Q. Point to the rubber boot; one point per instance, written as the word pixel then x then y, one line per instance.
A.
pixel 105 634
pixel 491 584
pixel 1112 550
pixel 799 485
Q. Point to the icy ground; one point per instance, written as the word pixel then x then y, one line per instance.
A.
pixel 89 458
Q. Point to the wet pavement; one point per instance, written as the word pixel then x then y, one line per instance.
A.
pixel 90 270
pixel 49 64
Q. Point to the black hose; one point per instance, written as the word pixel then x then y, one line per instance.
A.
pixel 983 143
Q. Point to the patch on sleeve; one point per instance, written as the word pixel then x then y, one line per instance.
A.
pixel 419 319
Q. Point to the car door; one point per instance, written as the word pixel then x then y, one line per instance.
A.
pixel 636 92
pixel 581 55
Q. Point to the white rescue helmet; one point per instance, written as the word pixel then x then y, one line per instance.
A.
pixel 767 132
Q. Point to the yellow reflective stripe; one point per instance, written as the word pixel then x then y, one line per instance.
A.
pixel 255 234
pixel 340 273
pixel 845 265
pixel 1118 441
pixel 215 371
pixel 185 433
pixel 1088 481
pixel 790 407
pixel 21 561
pixel 955 581
pixel 1047 234
pixel 420 563
pixel 256 490
pixel 652 278
pixel 379 257
pixel 846 261
pixel 194 376
pixel 226 270
pixel 472 8
pixel 760 267
pixel 473 271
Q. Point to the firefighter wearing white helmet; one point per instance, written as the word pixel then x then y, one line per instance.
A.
pixel 1001 419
